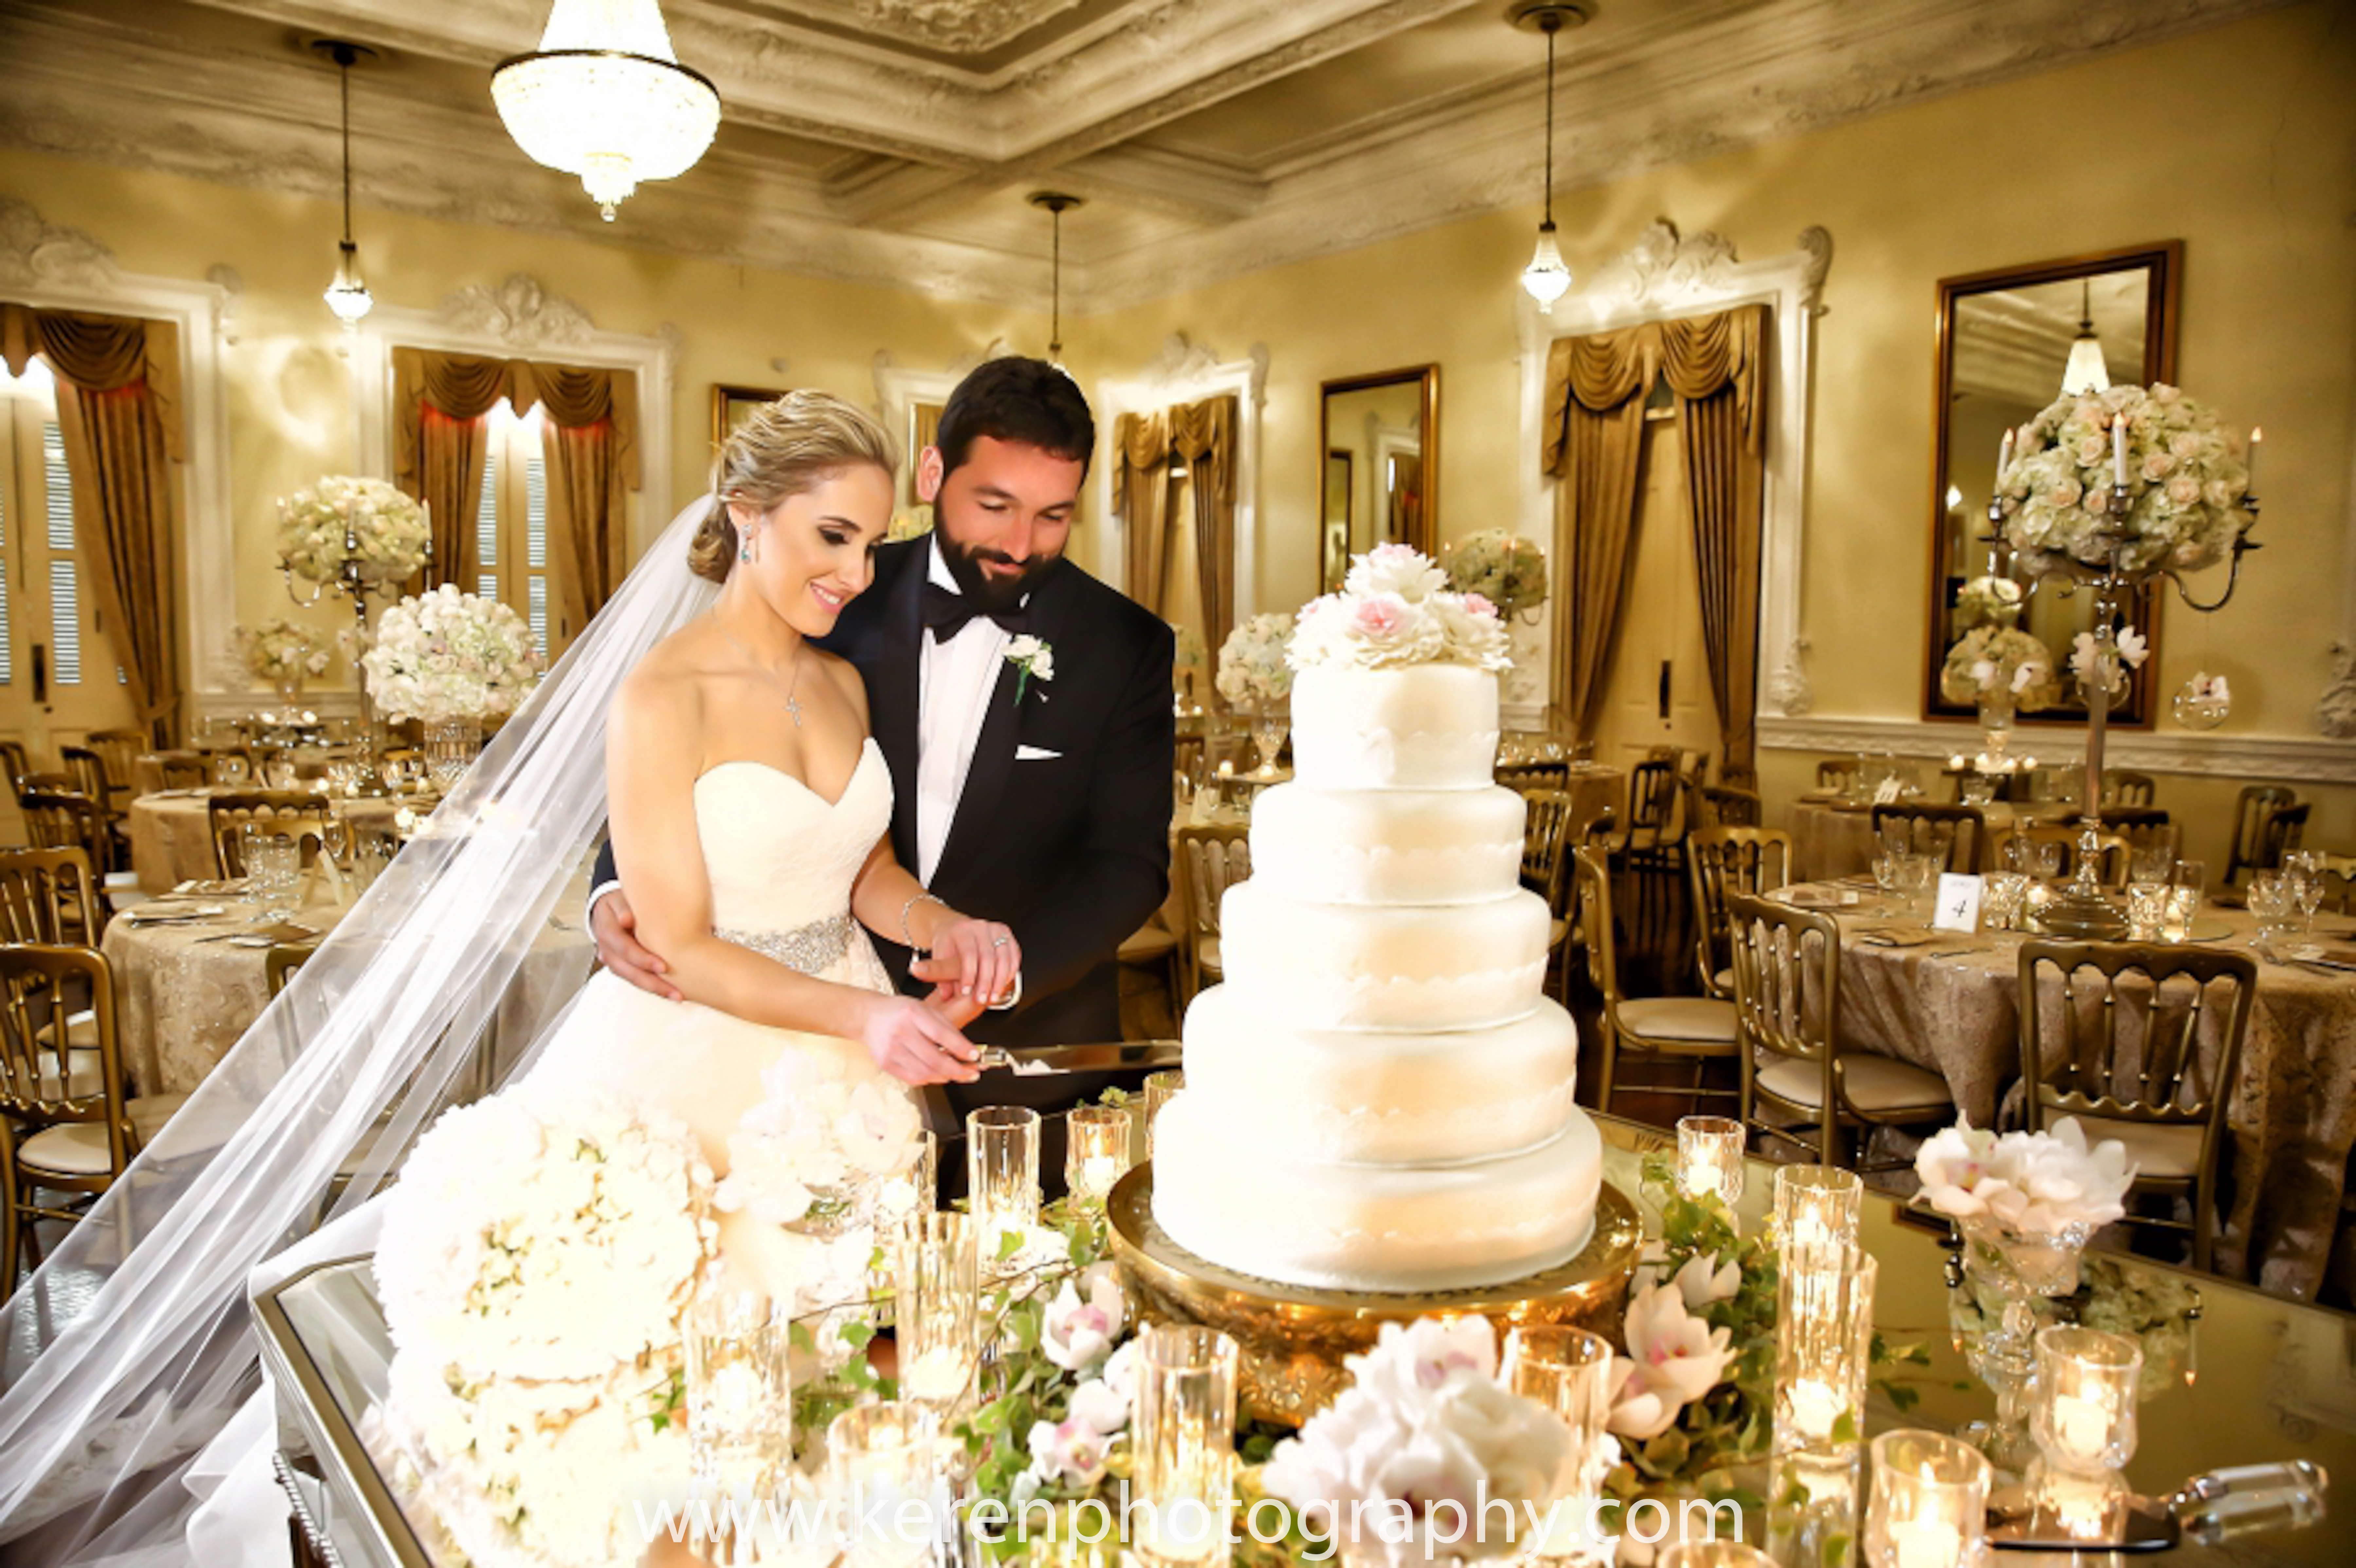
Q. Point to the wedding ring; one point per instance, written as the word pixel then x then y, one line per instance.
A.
pixel 1000 940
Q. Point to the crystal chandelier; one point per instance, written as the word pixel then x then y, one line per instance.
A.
pixel 348 295
pixel 1056 203
pixel 2086 371
pixel 604 98
pixel 1546 279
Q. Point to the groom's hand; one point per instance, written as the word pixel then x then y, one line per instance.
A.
pixel 616 929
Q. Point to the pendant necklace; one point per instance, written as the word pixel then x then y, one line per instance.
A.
pixel 793 707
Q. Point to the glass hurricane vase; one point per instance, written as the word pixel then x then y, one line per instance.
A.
pixel 451 747
pixel 2004 1273
pixel 1270 726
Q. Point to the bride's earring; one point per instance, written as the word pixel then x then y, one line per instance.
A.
pixel 746 550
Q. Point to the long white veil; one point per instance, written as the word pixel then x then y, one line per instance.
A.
pixel 130 1346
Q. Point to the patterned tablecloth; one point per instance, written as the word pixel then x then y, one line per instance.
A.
pixel 172 834
pixel 184 998
pixel 1952 1005
pixel 1833 838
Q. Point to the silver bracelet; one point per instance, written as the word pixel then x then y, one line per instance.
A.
pixel 907 939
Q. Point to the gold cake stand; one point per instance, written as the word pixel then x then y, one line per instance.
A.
pixel 1293 1336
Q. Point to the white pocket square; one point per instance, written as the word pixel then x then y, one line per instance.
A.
pixel 1035 754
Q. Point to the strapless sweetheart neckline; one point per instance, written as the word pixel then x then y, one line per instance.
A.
pixel 868 752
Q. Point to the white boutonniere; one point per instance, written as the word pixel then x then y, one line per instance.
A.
pixel 1033 660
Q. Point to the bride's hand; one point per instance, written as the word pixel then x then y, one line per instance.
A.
pixel 960 1011
pixel 905 1038
pixel 979 959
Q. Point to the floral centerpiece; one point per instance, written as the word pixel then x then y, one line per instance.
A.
pixel 284 654
pixel 2187 479
pixel 1988 600
pixel 1395 609
pixel 1504 567
pixel 1253 673
pixel 2002 665
pixel 450 655
pixel 2128 652
pixel 380 528
pixel 801 1154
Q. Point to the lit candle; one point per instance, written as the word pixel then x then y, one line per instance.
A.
pixel 1226 769
pixel 1926 1542
pixel 2082 1424
pixel 2256 437
pixel 937 1374
pixel 2004 455
pixel 1815 1406
pixel 1709 1157
pixel 1098 1173
pixel 2119 448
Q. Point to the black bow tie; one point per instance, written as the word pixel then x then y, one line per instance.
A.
pixel 947 611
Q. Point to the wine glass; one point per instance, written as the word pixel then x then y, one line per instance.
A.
pixel 2304 868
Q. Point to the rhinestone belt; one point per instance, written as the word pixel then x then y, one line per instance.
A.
pixel 806 949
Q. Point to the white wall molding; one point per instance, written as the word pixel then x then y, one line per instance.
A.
pixel 1663 276
pixel 1185 371
pixel 2214 754
pixel 52 267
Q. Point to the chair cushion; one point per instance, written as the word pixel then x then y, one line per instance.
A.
pixel 1148 945
pixel 1206 954
pixel 1877 1085
pixel 71 1148
pixel 150 1112
pixel 1724 980
pixel 81 1031
pixel 1556 930
pixel 1704 1019
pixel 2152 1148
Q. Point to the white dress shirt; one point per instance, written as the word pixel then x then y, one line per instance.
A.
pixel 954 683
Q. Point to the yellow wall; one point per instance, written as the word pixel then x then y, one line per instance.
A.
pixel 2240 141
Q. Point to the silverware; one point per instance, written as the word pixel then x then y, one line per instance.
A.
pixel 1028 1062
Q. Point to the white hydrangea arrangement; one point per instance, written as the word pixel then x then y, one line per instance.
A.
pixel 1997 660
pixel 2187 476
pixel 279 650
pixel 2034 1184
pixel 1252 669
pixel 1508 571
pixel 811 1139
pixel 1395 610
pixel 368 520
pixel 448 655
pixel 1987 601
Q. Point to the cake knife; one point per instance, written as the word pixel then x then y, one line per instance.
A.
pixel 1029 1061
pixel 2207 1509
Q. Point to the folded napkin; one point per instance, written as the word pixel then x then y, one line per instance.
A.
pixel 1897 936
pixel 1816 895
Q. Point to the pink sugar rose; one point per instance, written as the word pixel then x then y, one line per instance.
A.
pixel 1478 605
pixel 1381 616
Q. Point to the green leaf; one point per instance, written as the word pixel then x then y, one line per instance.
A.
pixel 1844 1429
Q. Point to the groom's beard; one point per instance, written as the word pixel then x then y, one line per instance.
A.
pixel 990 595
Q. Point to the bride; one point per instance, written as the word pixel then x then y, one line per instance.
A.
pixel 748 813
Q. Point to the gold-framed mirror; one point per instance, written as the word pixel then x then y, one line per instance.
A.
pixel 2005 340
pixel 1378 465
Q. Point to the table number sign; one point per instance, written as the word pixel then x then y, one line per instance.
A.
pixel 1958 908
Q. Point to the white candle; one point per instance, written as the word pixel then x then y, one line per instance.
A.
pixel 1098 1173
pixel 1815 1405
pixel 1926 1542
pixel 937 1374
pixel 2081 1424
pixel 2256 436
pixel 2119 449
pixel 2003 455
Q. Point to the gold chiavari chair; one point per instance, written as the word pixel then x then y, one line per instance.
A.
pixel 1724 805
pixel 17 762
pixel 2253 810
pixel 293 812
pixel 1211 858
pixel 182 770
pixel 1678 1030
pixel 1834 773
pixel 1549 818
pixel 2123 786
pixel 2140 1061
pixel 1787 997
pixel 117 750
pixel 1721 861
pixel 1925 823
pixel 51 896
pixel 2116 849
pixel 60 820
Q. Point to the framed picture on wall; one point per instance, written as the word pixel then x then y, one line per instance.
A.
pixel 732 406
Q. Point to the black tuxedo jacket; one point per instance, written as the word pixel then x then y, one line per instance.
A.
pixel 1071 846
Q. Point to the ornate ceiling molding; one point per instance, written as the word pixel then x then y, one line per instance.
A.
pixel 520 314
pixel 35 251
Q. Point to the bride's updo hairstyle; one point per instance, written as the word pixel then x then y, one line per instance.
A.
pixel 794 445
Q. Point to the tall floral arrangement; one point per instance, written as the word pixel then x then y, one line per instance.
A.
pixel 1395 609
pixel 2001 661
pixel 1508 571
pixel 1988 600
pixel 279 650
pixel 1252 669
pixel 2188 480
pixel 367 521
pixel 448 655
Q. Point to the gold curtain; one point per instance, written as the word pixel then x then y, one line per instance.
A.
pixel 1713 366
pixel 1204 434
pixel 436 463
pixel 1592 441
pixel 119 421
pixel 1141 497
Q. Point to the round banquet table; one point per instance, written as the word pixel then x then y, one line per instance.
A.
pixel 172 832
pixel 182 1000
pixel 1833 838
pixel 1951 1004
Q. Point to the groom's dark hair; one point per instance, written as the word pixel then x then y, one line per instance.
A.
pixel 1027 402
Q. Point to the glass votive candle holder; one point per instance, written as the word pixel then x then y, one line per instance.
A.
pixel 2084 1414
pixel 937 1307
pixel 881 1457
pixel 1181 1438
pixel 1817 1206
pixel 1713 1554
pixel 1096 1151
pixel 1161 1088
pixel 1001 1168
pixel 1928 1508
pixel 1710 1158
pixel 739 1392
pixel 1824 1346
pixel 1568 1371
pixel 2147 910
pixel 2007 896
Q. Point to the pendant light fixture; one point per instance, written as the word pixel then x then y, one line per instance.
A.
pixel 347 296
pixel 1057 204
pixel 1546 279
pixel 2086 371
pixel 605 98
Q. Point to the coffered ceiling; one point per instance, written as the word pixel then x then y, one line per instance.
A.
pixel 894 141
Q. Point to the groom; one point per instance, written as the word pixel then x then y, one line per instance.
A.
pixel 1040 798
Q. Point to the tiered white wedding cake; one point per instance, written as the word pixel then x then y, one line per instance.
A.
pixel 1379 1097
